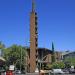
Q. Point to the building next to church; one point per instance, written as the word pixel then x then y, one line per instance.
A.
pixel 68 54
pixel 44 58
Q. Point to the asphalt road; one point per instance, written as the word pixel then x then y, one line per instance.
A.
pixel 45 74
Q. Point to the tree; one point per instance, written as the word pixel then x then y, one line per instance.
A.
pixel 53 53
pixel 58 65
pixel 69 62
pixel 15 55
pixel 2 45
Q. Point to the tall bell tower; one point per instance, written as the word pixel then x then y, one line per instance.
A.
pixel 33 39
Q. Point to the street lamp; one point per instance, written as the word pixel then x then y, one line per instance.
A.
pixel 21 59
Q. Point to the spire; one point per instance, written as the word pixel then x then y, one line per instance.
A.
pixel 33 6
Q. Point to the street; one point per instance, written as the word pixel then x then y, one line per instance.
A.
pixel 45 74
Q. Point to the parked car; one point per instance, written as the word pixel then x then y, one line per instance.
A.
pixel 66 71
pixel 72 70
pixel 57 71
pixel 18 72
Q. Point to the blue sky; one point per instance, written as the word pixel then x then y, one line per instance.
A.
pixel 56 22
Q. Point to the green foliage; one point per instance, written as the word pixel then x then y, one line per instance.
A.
pixel 49 66
pixel 53 53
pixel 55 65
pixel 70 61
pixel 58 65
pixel 53 57
pixel 15 55
pixel 6 53
pixel 2 45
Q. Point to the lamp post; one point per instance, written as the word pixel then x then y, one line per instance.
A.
pixel 26 61
pixel 21 60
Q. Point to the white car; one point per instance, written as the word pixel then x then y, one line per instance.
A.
pixel 57 71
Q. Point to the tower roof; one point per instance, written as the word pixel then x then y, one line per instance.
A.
pixel 33 6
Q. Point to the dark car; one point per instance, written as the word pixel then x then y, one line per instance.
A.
pixel 18 72
pixel 66 71
pixel 72 71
